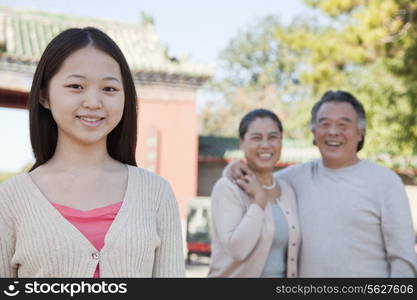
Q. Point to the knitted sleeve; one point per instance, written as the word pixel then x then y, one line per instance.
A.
pixel 237 230
pixel 398 230
pixel 7 239
pixel 169 257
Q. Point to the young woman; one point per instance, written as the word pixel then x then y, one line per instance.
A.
pixel 256 231
pixel 85 209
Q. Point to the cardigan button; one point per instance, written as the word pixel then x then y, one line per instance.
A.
pixel 95 255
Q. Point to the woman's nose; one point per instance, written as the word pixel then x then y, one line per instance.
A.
pixel 92 100
pixel 265 143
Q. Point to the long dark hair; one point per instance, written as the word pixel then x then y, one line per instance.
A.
pixel 121 141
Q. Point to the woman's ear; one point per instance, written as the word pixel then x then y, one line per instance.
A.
pixel 43 100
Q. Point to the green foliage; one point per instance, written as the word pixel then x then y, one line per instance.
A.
pixel 371 51
pixel 259 72
pixel 368 48
pixel 146 19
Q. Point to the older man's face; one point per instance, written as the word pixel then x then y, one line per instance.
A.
pixel 337 134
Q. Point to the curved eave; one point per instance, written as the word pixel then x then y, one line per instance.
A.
pixel 146 73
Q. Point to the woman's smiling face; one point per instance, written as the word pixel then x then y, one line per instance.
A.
pixel 86 96
pixel 261 145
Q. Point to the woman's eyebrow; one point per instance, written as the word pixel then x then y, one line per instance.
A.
pixel 111 78
pixel 76 76
pixel 83 77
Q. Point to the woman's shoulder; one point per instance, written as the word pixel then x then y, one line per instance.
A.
pixel 226 192
pixel 142 176
pixel 13 188
pixel 224 183
pixel 224 188
pixel 148 187
pixel 15 182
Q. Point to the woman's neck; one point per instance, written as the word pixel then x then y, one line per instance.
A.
pixel 72 155
pixel 265 178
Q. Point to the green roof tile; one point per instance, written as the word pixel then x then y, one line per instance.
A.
pixel 25 33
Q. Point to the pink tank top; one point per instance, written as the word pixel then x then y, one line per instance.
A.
pixel 93 224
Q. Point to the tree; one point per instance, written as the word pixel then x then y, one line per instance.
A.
pixel 370 49
pixel 146 19
pixel 367 47
pixel 258 72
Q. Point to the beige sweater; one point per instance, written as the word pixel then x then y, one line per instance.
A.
pixel 243 231
pixel 355 221
pixel 143 241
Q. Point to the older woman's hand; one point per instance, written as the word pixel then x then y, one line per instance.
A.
pixel 251 185
pixel 238 170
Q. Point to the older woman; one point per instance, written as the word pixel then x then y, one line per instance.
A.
pixel 256 231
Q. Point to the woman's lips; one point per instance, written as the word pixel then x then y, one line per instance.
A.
pixel 265 156
pixel 90 121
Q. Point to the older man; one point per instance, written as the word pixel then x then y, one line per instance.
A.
pixel 354 215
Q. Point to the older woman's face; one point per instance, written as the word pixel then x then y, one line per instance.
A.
pixel 261 145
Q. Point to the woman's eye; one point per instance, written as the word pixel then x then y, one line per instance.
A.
pixel 110 89
pixel 75 86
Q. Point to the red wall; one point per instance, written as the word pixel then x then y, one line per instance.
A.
pixel 168 145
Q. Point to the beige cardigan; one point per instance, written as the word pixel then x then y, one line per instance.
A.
pixel 243 231
pixel 143 241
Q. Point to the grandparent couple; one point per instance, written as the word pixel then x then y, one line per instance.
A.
pixel 338 216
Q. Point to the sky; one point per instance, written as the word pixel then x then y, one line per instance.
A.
pixel 200 29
